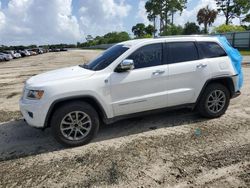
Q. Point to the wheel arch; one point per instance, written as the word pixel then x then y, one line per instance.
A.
pixel 88 99
pixel 226 81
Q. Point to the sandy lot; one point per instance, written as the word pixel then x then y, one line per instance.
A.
pixel 14 73
pixel 171 149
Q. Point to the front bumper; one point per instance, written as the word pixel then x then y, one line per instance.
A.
pixel 34 112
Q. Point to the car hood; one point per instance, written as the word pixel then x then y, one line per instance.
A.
pixel 59 74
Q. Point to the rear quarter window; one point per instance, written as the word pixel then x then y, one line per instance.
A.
pixel 178 52
pixel 211 50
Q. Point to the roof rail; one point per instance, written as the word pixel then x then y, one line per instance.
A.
pixel 174 36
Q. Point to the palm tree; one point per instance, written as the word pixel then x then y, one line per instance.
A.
pixel 139 30
pixel 206 16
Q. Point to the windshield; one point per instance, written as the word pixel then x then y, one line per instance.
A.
pixel 106 58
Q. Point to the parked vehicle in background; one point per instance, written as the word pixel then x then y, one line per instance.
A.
pixel 5 57
pixel 132 78
pixel 38 50
pixel 45 50
pixel 17 55
pixel 27 53
pixel 13 53
pixel 63 49
pixel 55 50
pixel 24 53
pixel 32 52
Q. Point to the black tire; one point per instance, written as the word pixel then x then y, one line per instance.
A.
pixel 202 106
pixel 61 113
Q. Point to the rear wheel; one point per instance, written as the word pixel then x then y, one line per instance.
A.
pixel 75 124
pixel 214 101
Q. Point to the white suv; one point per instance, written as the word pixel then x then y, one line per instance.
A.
pixel 132 78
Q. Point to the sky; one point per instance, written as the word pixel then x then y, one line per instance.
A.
pixel 25 22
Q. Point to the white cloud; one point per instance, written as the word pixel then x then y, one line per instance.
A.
pixel 39 22
pixel 142 14
pixel 45 22
pixel 2 17
pixel 98 17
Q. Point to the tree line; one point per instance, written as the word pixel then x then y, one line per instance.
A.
pixel 163 11
pixel 22 47
pixel 109 38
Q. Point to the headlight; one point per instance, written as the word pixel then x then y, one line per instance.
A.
pixel 35 94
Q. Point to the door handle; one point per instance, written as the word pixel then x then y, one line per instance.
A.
pixel 200 66
pixel 158 72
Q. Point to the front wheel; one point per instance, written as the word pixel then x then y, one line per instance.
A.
pixel 75 124
pixel 214 101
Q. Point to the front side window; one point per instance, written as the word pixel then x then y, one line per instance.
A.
pixel 106 58
pixel 211 50
pixel 147 56
pixel 178 52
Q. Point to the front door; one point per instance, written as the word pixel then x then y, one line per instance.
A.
pixel 144 87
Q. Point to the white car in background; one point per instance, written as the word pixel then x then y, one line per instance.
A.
pixel 14 54
pixel 129 79
pixel 5 57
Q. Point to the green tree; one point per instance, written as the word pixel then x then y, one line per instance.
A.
pixel 109 38
pixel 228 28
pixel 172 30
pixel 152 10
pixel 247 18
pixel 206 16
pixel 172 6
pixel 142 31
pixel 246 27
pixel 164 9
pixel 191 28
pixel 139 30
pixel 150 30
pixel 233 8
pixel 115 37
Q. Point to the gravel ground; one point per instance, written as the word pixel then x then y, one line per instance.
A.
pixel 14 73
pixel 170 149
pixel 246 59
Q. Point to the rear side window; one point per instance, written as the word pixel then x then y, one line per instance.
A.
pixel 178 52
pixel 211 50
pixel 147 56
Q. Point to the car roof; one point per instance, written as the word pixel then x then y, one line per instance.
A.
pixel 131 43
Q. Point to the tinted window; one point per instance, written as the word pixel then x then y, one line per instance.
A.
pixel 106 58
pixel 211 49
pixel 181 52
pixel 147 56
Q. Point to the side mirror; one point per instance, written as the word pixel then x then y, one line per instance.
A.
pixel 126 65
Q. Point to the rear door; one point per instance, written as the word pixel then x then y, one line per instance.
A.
pixel 187 72
pixel 216 57
pixel 144 87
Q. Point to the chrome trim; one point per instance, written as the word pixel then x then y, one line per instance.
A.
pixel 127 64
